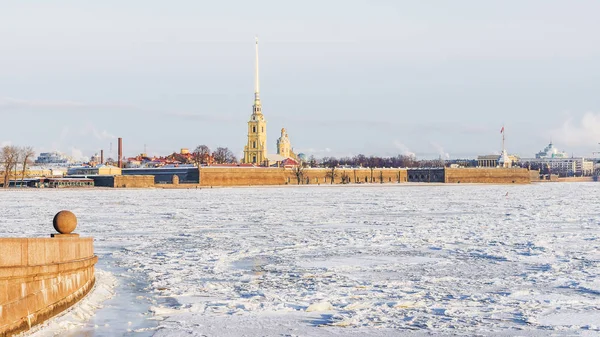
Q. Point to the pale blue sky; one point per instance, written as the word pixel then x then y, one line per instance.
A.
pixel 344 77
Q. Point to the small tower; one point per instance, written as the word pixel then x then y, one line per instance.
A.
pixel 504 160
pixel 283 145
pixel 255 151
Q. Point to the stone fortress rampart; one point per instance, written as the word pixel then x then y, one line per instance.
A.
pixel 41 277
pixel 251 176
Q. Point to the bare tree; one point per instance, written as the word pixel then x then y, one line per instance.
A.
pixel 345 178
pixel 26 154
pixel 223 155
pixel 299 172
pixel 200 155
pixel 231 158
pixel 178 157
pixel 8 158
pixel 17 160
pixel 312 161
pixel 332 164
pixel 372 163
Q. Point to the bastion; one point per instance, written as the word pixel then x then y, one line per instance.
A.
pixel 41 277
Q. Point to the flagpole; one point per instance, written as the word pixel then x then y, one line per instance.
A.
pixel 503 139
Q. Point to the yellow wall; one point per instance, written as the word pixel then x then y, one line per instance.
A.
pixel 245 176
pixel 134 181
pixel 487 175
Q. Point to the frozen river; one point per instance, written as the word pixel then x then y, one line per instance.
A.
pixel 346 261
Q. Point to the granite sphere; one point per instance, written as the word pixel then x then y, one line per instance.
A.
pixel 65 222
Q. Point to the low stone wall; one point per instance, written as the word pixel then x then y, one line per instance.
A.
pixel 40 277
pixel 487 175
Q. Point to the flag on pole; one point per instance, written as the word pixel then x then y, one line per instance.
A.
pixel 502 130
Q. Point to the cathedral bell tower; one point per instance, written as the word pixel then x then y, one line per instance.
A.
pixel 255 151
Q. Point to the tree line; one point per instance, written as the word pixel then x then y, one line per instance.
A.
pixel 202 155
pixel 371 162
pixel 362 160
pixel 11 157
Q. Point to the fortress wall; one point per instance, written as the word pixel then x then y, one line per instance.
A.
pixel 40 277
pixel 134 181
pixel 576 179
pixel 245 176
pixel 250 176
pixel 487 175
pixel 354 176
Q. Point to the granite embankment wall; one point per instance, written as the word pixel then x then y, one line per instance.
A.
pixel 40 277
pixel 245 176
pixel 487 176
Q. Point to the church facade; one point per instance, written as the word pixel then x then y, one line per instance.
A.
pixel 255 151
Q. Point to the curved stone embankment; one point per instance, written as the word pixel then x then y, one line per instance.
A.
pixel 41 277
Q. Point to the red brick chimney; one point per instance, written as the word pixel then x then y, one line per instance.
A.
pixel 120 150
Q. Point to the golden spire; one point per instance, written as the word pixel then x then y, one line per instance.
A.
pixel 256 80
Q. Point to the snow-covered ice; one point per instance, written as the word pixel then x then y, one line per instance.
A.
pixel 339 260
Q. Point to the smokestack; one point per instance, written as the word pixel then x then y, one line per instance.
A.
pixel 101 157
pixel 120 150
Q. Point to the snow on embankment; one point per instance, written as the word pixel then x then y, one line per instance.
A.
pixel 78 315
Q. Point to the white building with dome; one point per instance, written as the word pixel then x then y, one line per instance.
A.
pixel 559 162
pixel 551 152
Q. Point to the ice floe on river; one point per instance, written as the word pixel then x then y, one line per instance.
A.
pixel 361 260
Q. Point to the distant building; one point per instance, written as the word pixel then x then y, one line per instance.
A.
pixel 494 160
pixel 255 151
pixel 551 152
pixel 54 158
pixel 93 170
pixel 565 167
pixel 45 171
pixel 553 161
pixel 52 182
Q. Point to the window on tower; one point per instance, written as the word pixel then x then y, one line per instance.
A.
pixel 254 129
pixel 254 145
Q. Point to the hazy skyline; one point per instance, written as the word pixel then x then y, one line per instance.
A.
pixel 343 77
